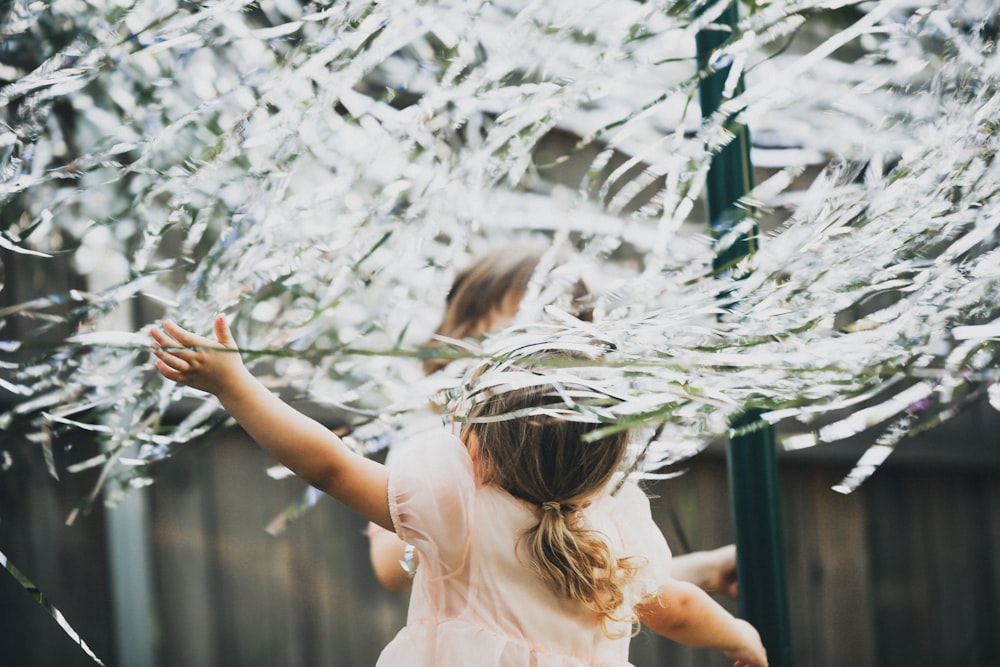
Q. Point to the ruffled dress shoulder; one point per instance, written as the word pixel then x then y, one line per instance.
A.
pixel 474 600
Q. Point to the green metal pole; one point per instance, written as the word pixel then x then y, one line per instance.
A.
pixel 750 455
pixel 730 175
pixel 760 555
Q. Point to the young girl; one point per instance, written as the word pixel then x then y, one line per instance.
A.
pixel 485 297
pixel 526 558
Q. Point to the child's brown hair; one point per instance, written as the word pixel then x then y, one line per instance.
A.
pixel 550 462
pixel 492 285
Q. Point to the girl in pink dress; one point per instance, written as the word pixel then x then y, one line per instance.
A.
pixel 527 558
pixel 484 297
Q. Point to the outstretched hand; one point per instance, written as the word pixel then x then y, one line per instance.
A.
pixel 721 577
pixel 210 365
pixel 713 570
pixel 307 447
pixel 751 653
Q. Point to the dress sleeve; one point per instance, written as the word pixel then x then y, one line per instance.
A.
pixel 642 538
pixel 430 492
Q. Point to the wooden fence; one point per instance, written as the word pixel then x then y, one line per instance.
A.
pixel 905 571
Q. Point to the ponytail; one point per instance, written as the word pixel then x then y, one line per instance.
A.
pixel 557 465
pixel 577 563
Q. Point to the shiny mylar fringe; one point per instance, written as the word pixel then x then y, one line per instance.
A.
pixel 321 233
pixel 317 172
pixel 46 604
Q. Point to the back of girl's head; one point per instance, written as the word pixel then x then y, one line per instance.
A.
pixel 555 464
pixel 487 293
pixel 538 457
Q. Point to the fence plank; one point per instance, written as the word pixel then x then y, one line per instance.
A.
pixel 903 618
pixel 958 562
pixel 827 561
pixel 254 606
pixel 183 543
pixel 991 587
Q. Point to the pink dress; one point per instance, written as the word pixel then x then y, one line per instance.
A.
pixel 473 601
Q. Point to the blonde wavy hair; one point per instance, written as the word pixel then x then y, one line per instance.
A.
pixel 548 462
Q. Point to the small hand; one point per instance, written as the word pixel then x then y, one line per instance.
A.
pixel 722 576
pixel 752 653
pixel 197 361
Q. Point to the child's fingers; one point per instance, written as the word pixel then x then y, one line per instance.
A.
pixel 185 337
pixel 162 339
pixel 170 359
pixel 166 348
pixel 222 332
pixel 183 356
pixel 168 372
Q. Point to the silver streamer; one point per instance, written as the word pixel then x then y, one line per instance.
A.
pixel 318 171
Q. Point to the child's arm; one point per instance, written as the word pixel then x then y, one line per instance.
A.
pixel 387 552
pixel 713 570
pixel 683 612
pixel 302 444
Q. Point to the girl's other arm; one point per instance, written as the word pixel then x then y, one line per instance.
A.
pixel 713 570
pixel 685 613
pixel 302 444
pixel 387 551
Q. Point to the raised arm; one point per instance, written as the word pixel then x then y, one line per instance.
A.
pixel 302 444
pixel 685 613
